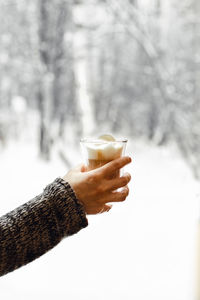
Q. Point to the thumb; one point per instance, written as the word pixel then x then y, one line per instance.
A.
pixel 80 168
pixel 83 168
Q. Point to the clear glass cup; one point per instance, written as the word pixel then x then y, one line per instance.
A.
pixel 97 153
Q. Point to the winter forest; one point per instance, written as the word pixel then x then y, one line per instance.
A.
pixel 130 68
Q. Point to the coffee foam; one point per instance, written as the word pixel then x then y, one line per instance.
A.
pixel 104 151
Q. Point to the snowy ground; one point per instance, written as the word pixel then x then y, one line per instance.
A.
pixel 144 249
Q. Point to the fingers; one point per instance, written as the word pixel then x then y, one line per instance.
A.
pixel 116 196
pixel 113 166
pixel 119 182
pixel 106 208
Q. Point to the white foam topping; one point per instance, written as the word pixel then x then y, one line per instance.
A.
pixel 101 150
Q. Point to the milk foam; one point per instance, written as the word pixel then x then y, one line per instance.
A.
pixel 104 150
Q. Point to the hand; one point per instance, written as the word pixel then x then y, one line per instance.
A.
pixel 97 187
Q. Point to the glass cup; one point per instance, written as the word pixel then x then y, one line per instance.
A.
pixel 97 153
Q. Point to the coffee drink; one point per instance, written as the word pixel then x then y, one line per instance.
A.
pixel 98 152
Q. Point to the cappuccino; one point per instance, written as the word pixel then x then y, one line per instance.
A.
pixel 98 152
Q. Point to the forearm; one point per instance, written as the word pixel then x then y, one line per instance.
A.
pixel 37 226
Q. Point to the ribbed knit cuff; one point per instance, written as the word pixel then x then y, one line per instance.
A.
pixel 69 212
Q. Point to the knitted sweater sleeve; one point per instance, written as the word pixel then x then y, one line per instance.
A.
pixel 38 225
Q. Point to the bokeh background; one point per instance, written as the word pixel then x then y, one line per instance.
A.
pixel 71 69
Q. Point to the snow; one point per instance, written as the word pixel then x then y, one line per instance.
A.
pixel 142 249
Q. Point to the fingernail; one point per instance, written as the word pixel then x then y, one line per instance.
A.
pixel 109 208
pixel 125 189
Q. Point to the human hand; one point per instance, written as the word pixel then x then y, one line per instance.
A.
pixel 96 188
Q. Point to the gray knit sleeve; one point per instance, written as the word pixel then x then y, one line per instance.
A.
pixel 37 226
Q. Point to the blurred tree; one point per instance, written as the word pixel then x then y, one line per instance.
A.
pixel 188 120
pixel 127 66
pixel 56 92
